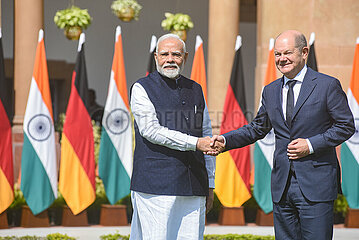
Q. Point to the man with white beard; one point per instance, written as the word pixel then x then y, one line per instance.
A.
pixel 172 181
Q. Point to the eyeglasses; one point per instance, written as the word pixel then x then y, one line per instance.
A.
pixel 175 55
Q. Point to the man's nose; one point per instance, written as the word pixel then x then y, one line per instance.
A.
pixel 170 58
pixel 282 58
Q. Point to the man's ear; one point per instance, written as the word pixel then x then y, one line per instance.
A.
pixel 305 52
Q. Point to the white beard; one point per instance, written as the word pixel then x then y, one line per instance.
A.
pixel 170 73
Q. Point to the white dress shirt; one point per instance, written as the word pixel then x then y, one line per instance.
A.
pixel 296 90
pixel 149 127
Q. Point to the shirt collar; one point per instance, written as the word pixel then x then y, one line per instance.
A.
pixel 299 77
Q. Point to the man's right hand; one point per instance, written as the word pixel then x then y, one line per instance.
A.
pixel 217 145
pixel 204 144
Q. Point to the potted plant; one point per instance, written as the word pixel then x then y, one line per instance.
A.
pixel 340 209
pixel 112 215
pixel 14 210
pixel 126 10
pixel 94 210
pixel 73 20
pixel 212 215
pixel 55 210
pixel 178 23
pixel 250 209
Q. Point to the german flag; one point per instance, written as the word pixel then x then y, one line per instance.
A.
pixel 151 67
pixel 6 158
pixel 77 168
pixel 312 60
pixel 233 167
pixel 198 72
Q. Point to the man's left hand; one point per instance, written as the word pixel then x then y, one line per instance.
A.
pixel 209 200
pixel 297 148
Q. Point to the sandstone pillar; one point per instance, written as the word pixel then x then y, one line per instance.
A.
pixel 223 28
pixel 29 18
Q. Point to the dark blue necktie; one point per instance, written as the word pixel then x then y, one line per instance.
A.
pixel 290 102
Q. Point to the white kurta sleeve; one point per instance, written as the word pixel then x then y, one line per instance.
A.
pixel 149 127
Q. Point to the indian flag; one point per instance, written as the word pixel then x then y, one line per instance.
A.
pixel 115 159
pixel 38 162
pixel 264 149
pixel 350 149
pixel 198 72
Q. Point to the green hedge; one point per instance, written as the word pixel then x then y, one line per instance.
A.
pixel 237 237
pixel 52 236
pixel 117 236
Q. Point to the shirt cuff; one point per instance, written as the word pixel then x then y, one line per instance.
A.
pixel 224 140
pixel 311 150
pixel 192 143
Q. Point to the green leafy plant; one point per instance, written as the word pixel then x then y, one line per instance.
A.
pixel 115 236
pixel 59 236
pixel 72 17
pixel 124 6
pixel 97 139
pixel 118 236
pixel 19 199
pixel 101 197
pixel 93 211
pixel 212 215
pixel 27 237
pixel 177 22
pixel 237 237
pixel 59 126
pixel 52 236
pixel 251 203
pixel 341 205
pixel 59 201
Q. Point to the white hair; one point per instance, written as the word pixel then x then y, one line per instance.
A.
pixel 171 35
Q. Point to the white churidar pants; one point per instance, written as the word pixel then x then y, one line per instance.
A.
pixel 161 217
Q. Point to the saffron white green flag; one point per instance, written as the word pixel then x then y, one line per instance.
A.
pixel 38 161
pixel 264 150
pixel 115 158
pixel 350 149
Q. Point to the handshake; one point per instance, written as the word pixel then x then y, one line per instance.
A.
pixel 211 146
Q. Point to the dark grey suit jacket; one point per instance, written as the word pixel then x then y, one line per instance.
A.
pixel 322 115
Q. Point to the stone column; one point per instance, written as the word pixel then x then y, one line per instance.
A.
pixel 29 18
pixel 223 28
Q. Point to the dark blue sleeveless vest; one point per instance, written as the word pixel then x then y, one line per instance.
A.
pixel 158 169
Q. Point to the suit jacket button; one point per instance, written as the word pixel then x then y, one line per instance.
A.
pixel 183 102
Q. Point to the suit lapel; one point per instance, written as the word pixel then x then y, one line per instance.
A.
pixel 307 88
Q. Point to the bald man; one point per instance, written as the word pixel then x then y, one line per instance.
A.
pixel 310 116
